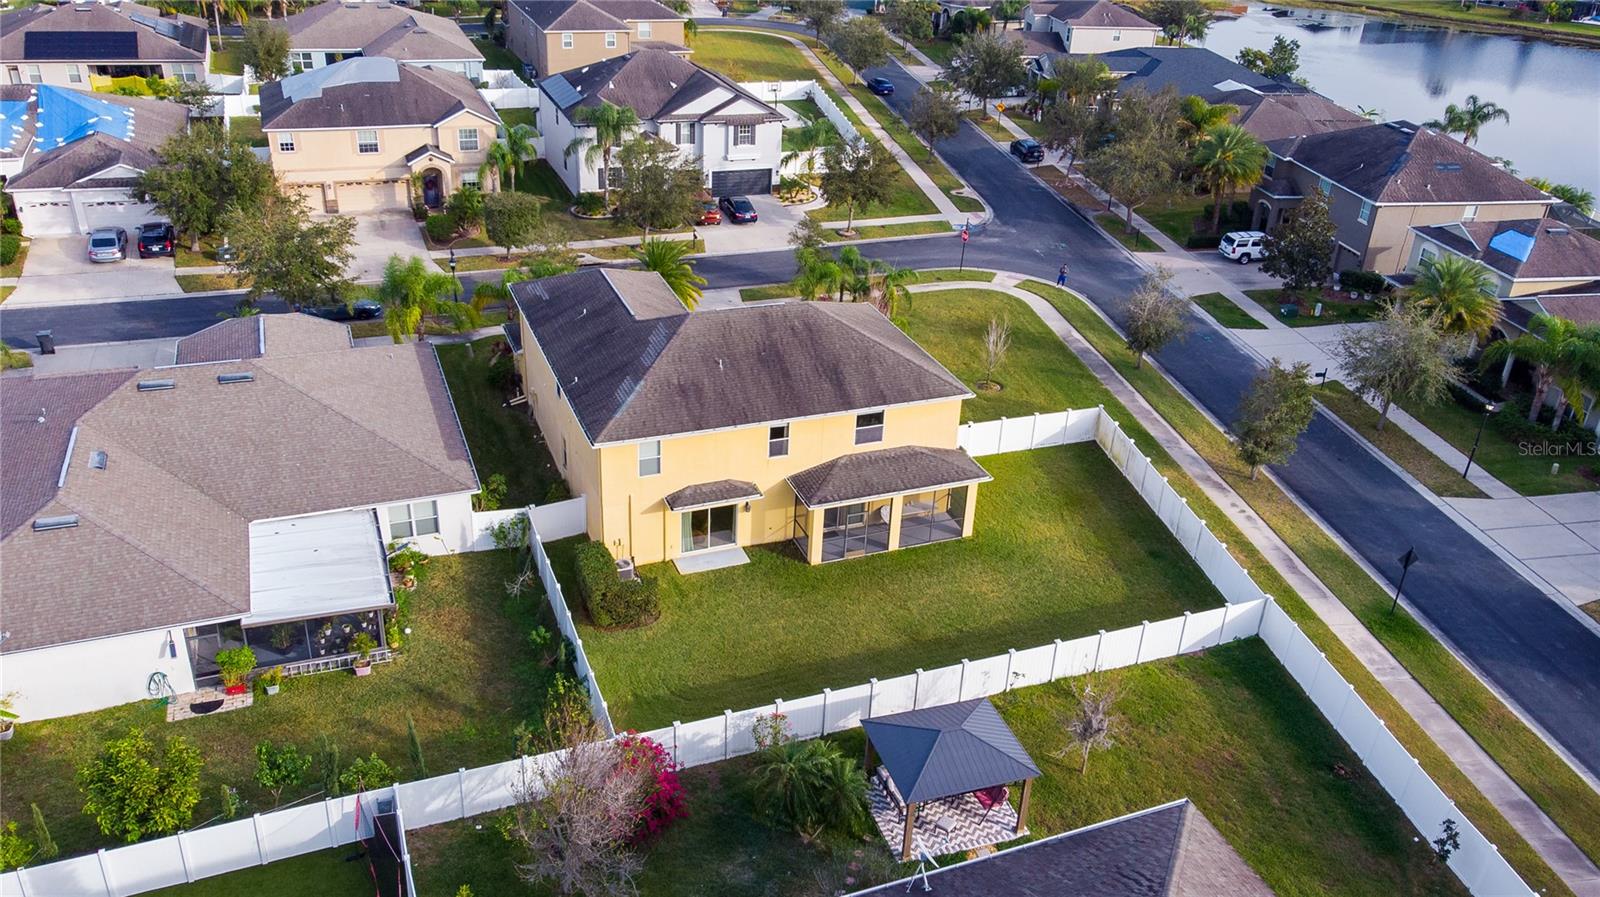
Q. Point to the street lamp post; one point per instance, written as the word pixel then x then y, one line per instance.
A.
pixel 1487 410
pixel 456 283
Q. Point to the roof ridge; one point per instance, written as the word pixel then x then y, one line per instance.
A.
pixel 901 350
pixel 1175 862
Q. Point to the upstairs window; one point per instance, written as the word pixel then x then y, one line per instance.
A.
pixel 1116 36
pixel 1325 185
pixel 286 143
pixel 778 441
pixel 467 139
pixel 566 40
pixel 1272 162
pixel 366 142
pixel 1365 214
pixel 74 75
pixel 302 61
pixel 645 30
pixel 685 133
pixel 650 458
pixel 185 71
pixel 744 135
pixel 611 40
pixel 34 76
pixel 869 427
pixel 1470 213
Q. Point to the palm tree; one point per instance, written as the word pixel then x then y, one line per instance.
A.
pixel 808 140
pixel 1196 117
pixel 497 161
pixel 612 125
pixel 819 273
pixel 1460 291
pixel 889 287
pixel 1370 113
pixel 1469 118
pixel 1228 158
pixel 520 140
pixel 666 257
pixel 1007 11
pixel 1561 353
pixel 411 291
pixel 1577 197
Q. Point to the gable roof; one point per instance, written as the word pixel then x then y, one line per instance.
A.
pixel 163 530
pixel 66 135
pixel 379 29
pixel 593 15
pixel 1166 851
pixel 1191 70
pixel 634 364
pixel 368 92
pixel 657 85
pixel 1091 14
pixel 1273 116
pixel 1525 249
pixel 126 32
pixel 1399 162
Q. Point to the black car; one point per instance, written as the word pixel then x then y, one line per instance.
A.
pixel 360 310
pixel 880 86
pixel 738 209
pixel 156 238
pixel 1028 150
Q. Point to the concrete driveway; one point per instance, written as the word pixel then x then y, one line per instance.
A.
pixel 771 229
pixel 1556 536
pixel 380 235
pixel 58 272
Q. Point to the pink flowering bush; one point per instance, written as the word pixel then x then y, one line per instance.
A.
pixel 665 803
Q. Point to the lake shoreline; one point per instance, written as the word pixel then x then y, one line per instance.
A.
pixel 1407 12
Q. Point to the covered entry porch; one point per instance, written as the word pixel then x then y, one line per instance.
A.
pixel 884 500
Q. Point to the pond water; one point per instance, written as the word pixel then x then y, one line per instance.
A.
pixel 1411 71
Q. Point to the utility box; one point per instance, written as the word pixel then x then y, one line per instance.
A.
pixel 47 342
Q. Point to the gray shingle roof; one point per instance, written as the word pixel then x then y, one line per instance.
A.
pixel 1399 162
pixel 154 121
pixel 163 534
pixel 948 749
pixel 890 471
pixel 593 15
pixel 415 96
pixel 185 42
pixel 1273 116
pixel 1092 14
pixel 718 492
pixel 1556 250
pixel 1192 70
pixel 378 29
pixel 634 364
pixel 1166 851
pixel 654 83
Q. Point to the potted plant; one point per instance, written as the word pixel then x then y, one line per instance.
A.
pixel 234 666
pixel 362 646
pixel 271 680
pixel 8 716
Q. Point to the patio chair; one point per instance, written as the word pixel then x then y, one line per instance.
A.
pixel 989 798
pixel 889 789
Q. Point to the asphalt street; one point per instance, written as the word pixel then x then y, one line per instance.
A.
pixel 1535 652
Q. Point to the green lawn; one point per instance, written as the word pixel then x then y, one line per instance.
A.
pixel 503 440
pixel 513 117
pixel 1332 312
pixel 540 179
pixel 468 675
pixel 1552 784
pixel 938 49
pixel 900 133
pixel 1176 217
pixel 340 871
pixel 1441 478
pixel 211 283
pixel 750 56
pixel 6 291
pixel 907 229
pixel 15 268
pixel 497 57
pixel 991 126
pixel 1503 454
pixel 1228 729
pixel 947 275
pixel 249 126
pixel 226 61
pixel 1227 313
pixel 760 294
pixel 1114 225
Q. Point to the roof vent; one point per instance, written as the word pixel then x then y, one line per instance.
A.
pixel 236 377
pixel 98 459
pixel 157 385
pixel 1447 166
pixel 1558 230
pixel 46 524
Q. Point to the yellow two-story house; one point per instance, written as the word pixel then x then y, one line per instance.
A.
pixel 691 435
pixel 352 137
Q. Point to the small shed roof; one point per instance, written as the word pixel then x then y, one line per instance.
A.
pixel 950 749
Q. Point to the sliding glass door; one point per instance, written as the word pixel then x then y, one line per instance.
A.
pixel 705 528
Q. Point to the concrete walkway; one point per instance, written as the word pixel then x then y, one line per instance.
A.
pixel 1564 857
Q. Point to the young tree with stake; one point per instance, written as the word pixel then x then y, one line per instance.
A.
pixel 1156 315
pixel 1091 726
pixel 1276 410
pixel 857 173
pixel 996 343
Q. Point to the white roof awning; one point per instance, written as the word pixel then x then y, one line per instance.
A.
pixel 316 566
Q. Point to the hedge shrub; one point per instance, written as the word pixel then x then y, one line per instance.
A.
pixel 1362 281
pixel 441 228
pixel 614 603
pixel 591 204
pixel 1203 241
pixel 11 226
pixel 10 245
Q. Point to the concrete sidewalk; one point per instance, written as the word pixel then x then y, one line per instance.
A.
pixel 1546 838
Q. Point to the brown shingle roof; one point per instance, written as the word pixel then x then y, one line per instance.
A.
pixel 1399 162
pixel 163 534
pixel 1091 14
pixel 718 492
pixel 154 121
pixel 187 43
pixel 1278 115
pixel 634 364
pixel 1557 250
pixel 655 84
pixel 230 340
pixel 378 29
pixel 890 471
pixel 593 15
pixel 417 96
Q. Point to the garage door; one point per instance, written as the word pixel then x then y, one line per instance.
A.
pixel 380 197
pixel 119 213
pixel 749 180
pixel 47 219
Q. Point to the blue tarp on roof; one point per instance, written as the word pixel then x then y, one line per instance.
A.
pixel 69 115
pixel 12 115
pixel 949 749
pixel 1514 243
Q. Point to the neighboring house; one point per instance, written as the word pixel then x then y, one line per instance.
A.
pixel 738 138
pixel 336 30
pixel 1088 26
pixel 690 435
pixel 350 136
pixel 70 43
pixel 552 36
pixel 151 518
pixel 71 159
pixel 1384 181
pixel 1168 851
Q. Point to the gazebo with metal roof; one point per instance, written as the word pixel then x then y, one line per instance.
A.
pixel 957 759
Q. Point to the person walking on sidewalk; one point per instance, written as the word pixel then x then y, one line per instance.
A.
pixel 1061 276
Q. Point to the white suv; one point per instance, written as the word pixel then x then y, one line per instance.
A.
pixel 1243 246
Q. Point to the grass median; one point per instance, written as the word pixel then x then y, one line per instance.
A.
pixel 1440 478
pixel 1227 313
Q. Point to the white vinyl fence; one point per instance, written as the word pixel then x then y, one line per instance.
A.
pixel 470 792
pixel 558 605
pixel 507 90
pixel 557 520
pixel 773 92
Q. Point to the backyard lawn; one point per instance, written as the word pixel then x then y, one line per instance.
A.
pixel 249 127
pixel 503 440
pixel 1442 479
pixel 496 57
pixel 467 677
pixel 1226 312
pixel 340 872
pixel 1504 454
pixel 749 56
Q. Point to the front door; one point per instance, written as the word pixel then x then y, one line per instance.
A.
pixel 432 195
pixel 709 528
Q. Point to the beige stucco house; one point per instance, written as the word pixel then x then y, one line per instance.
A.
pixel 552 36
pixel 337 30
pixel 350 136
pixel 1087 26
pixel 72 44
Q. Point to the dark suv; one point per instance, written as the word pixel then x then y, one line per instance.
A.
pixel 156 238
pixel 1028 150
